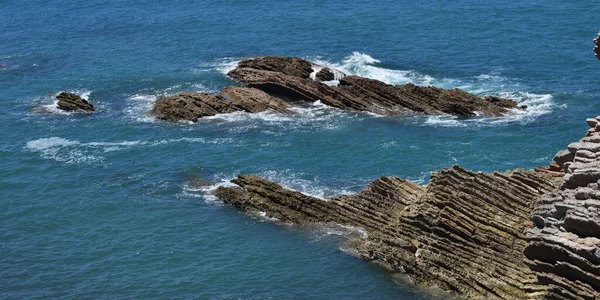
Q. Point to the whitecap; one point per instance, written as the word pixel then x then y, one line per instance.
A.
pixel 71 151
pixel 364 65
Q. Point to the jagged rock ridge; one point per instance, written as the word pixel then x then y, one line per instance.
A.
pixel 514 235
pixel 291 79
pixel 463 232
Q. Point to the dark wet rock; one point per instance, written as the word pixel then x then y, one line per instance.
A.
pixel 325 74
pixel 186 106
pixel 360 94
pixel 292 66
pixel 73 103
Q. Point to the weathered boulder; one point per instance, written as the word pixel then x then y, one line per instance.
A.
pixel 186 106
pixel 290 78
pixel 73 103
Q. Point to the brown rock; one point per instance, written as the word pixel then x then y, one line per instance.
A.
pixel 361 94
pixel 511 235
pixel 292 66
pixel 325 74
pixel 73 103
pixel 461 233
pixel 192 106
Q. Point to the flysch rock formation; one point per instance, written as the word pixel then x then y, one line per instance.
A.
pixel 514 235
pixel 187 106
pixel 564 247
pixel 295 79
pixel 73 103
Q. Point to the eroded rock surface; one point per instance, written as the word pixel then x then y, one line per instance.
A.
pixel 462 233
pixel 73 103
pixel 514 235
pixel 564 247
pixel 186 106
pixel 290 78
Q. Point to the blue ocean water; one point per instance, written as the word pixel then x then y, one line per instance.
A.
pixel 105 206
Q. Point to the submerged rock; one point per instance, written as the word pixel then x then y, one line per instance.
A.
pixel 290 78
pixel 73 103
pixel 186 106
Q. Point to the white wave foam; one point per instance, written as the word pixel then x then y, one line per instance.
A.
pixel 312 115
pixel 139 106
pixel 226 65
pixel 64 150
pixel 537 105
pixel 340 230
pixel 207 192
pixel 51 103
pixel 364 65
pixel 316 69
pixel 293 181
pixel 53 148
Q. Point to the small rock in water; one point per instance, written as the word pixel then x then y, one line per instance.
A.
pixel 71 102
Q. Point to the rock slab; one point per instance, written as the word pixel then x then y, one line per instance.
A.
pixel 462 233
pixel 73 103
pixel 564 247
pixel 187 106
pixel 292 79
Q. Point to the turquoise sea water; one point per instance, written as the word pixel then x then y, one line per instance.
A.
pixel 104 205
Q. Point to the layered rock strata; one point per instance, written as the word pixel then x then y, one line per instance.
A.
pixel 462 233
pixel 296 79
pixel 514 235
pixel 73 103
pixel 186 106
pixel 564 247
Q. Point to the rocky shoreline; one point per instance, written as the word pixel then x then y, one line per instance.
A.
pixel 288 80
pixel 514 235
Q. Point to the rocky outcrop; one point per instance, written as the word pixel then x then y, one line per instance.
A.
pixel 462 233
pixel 597 47
pixel 187 106
pixel 73 103
pixel 290 78
pixel 514 235
pixel 564 247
